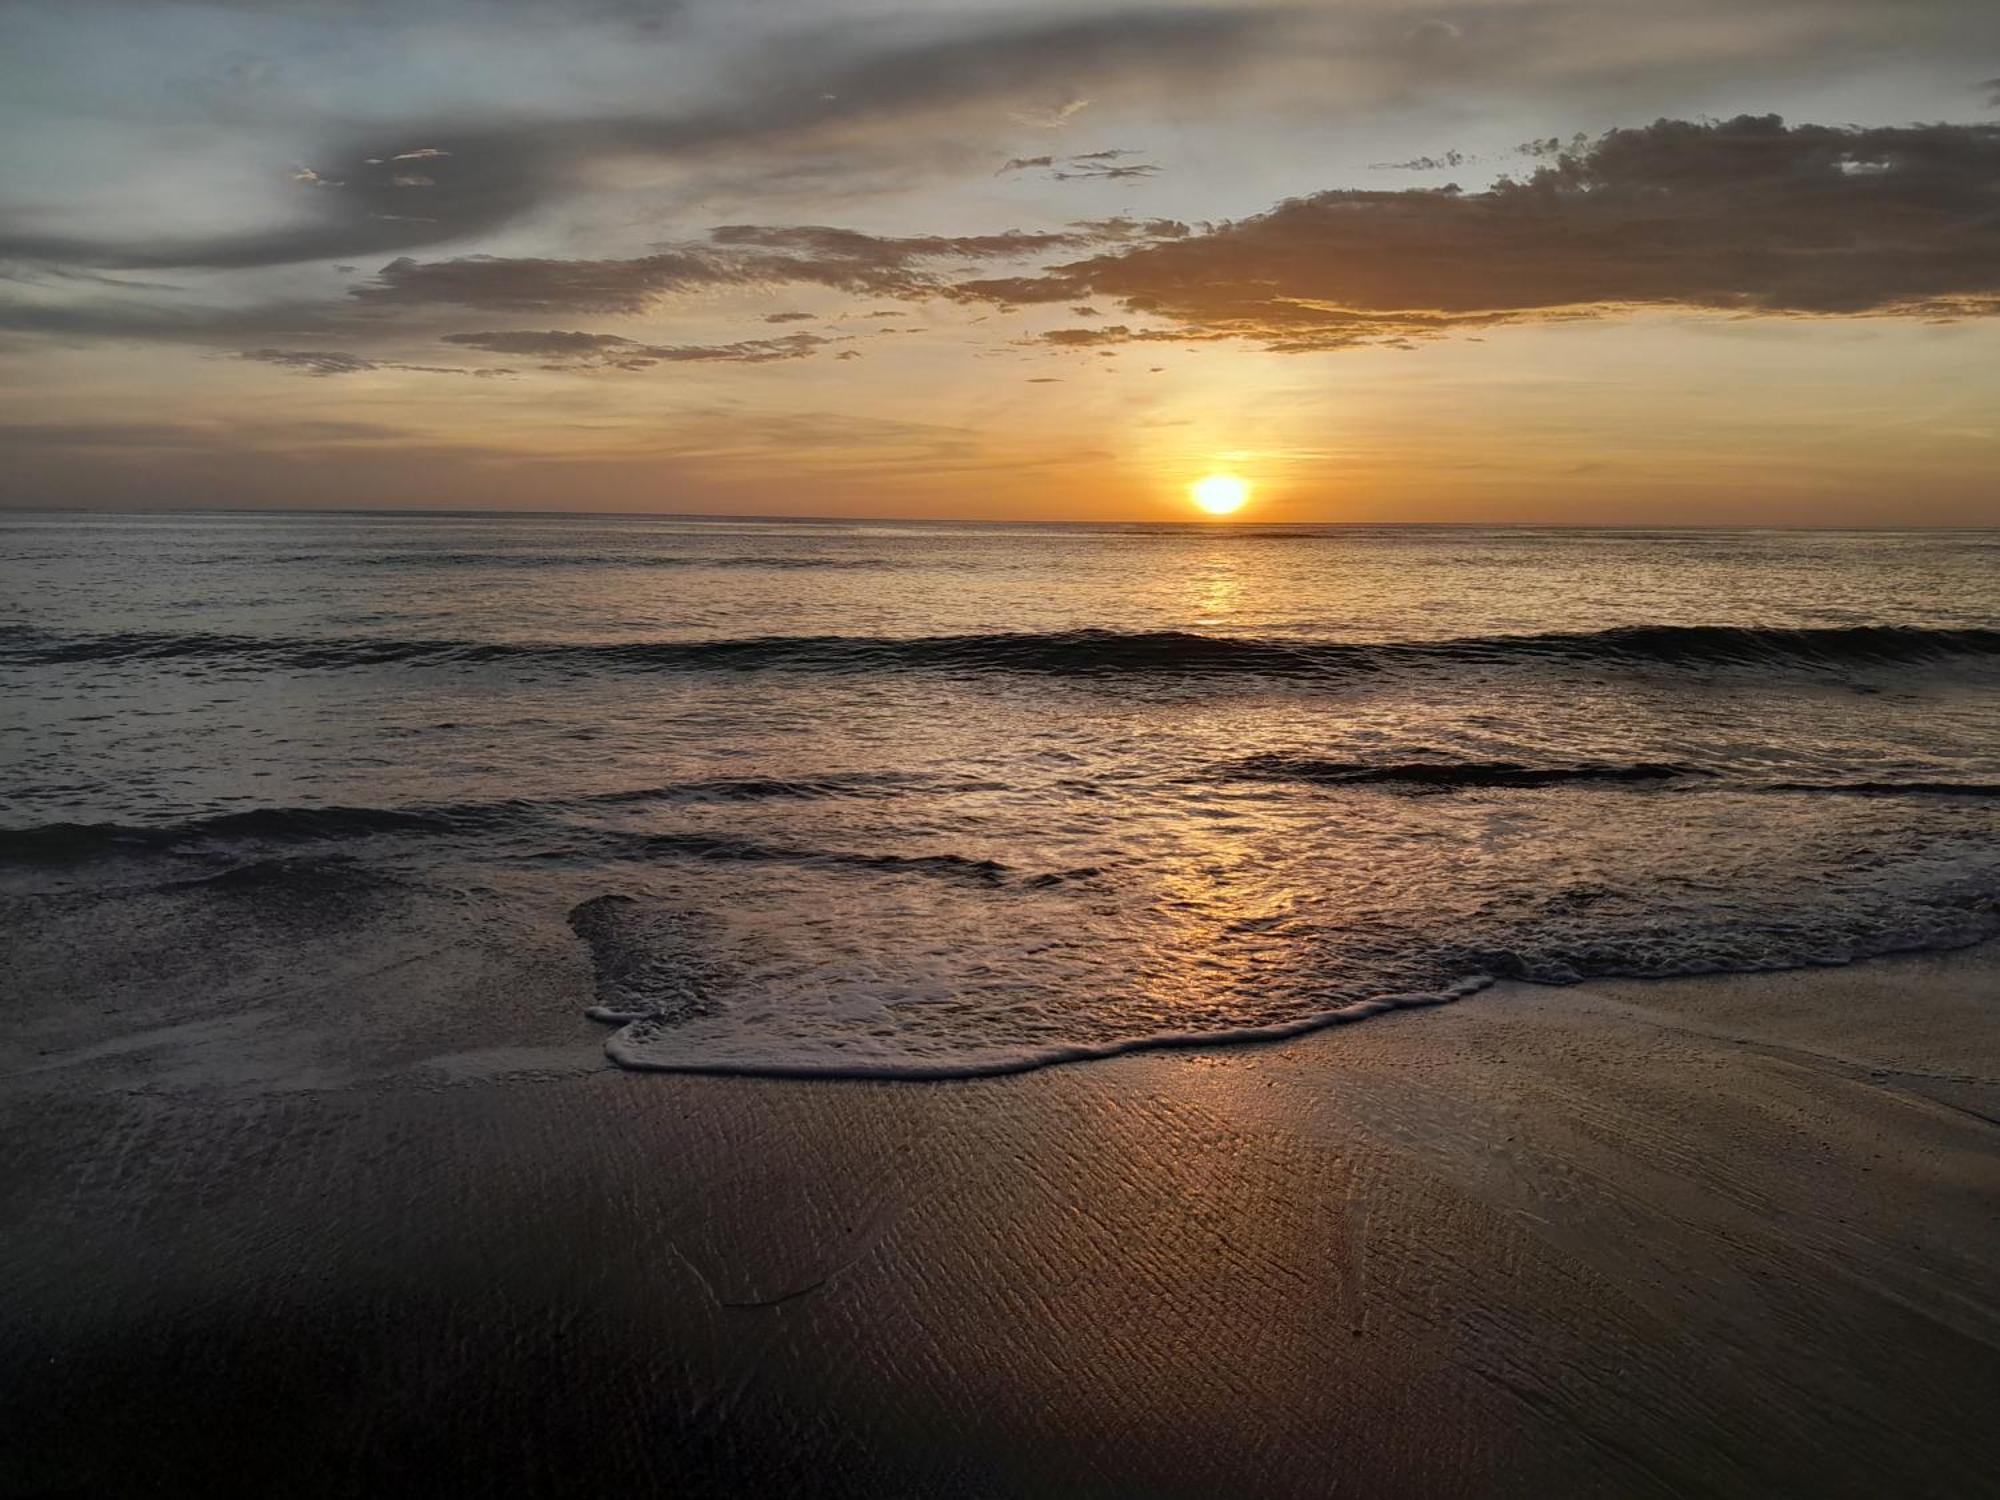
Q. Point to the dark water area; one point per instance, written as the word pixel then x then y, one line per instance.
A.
pixel 912 799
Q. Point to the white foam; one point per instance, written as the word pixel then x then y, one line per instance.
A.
pixel 711 1049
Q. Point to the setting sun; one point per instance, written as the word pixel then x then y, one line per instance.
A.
pixel 1219 494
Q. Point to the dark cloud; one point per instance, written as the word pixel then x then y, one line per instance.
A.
pixel 339 362
pixel 644 14
pixel 1115 333
pixel 1082 164
pixel 539 284
pixel 313 361
pixel 480 175
pixel 824 243
pixel 1118 333
pixel 562 350
pixel 1449 159
pixel 788 317
pixel 1550 146
pixel 1140 169
pixel 1744 215
pixel 356 204
pixel 734 255
pixel 168 322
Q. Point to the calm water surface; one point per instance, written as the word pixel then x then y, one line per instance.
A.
pixel 914 798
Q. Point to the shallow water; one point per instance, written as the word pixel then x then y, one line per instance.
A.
pixel 932 799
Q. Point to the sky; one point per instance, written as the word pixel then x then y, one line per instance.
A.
pixel 1553 261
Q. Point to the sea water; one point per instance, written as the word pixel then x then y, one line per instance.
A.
pixel 931 799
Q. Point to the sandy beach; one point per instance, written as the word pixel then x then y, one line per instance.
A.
pixel 1136 749
pixel 1713 1236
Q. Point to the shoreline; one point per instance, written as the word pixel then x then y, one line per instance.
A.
pixel 1601 1239
pixel 1221 1038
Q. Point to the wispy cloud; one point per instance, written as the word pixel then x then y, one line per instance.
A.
pixel 561 350
pixel 1444 161
pixel 324 362
pixel 483 173
pixel 734 255
pixel 1079 165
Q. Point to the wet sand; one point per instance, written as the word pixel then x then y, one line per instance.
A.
pixel 1720 1236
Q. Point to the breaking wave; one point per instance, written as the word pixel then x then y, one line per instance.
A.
pixel 1450 775
pixel 60 842
pixel 68 842
pixel 1071 653
pixel 419 559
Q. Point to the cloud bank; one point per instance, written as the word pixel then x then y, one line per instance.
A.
pixel 1745 215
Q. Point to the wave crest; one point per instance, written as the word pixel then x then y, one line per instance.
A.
pixel 1071 653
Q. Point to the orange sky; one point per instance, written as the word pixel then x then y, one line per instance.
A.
pixel 1006 261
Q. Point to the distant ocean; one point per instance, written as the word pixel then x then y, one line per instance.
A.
pixel 858 798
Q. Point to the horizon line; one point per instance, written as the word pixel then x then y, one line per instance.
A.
pixel 1217 524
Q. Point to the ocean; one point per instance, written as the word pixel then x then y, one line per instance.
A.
pixel 903 799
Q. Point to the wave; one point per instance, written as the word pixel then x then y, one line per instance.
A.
pixel 1455 775
pixel 418 558
pixel 600 844
pixel 635 1044
pixel 50 843
pixel 556 837
pixel 1450 775
pixel 1071 653
pixel 64 842
pixel 1890 788
pixel 645 1039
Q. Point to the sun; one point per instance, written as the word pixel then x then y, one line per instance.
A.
pixel 1219 494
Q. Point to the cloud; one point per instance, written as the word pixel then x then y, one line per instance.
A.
pixel 1744 215
pixel 1055 117
pixel 1076 338
pixel 823 242
pixel 1083 164
pixel 788 317
pixel 487 172
pixel 463 195
pixel 537 284
pixel 562 350
pixel 170 321
pixel 324 362
pixel 1116 333
pixel 1444 162
pixel 1140 169
pixel 733 255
